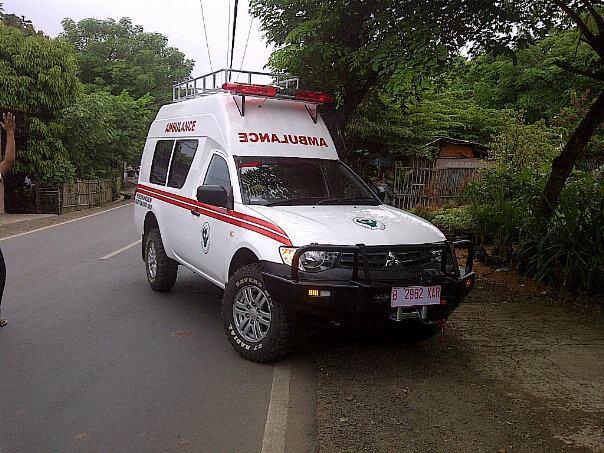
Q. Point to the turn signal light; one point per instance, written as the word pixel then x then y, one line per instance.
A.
pixel 313 96
pixel 318 293
pixel 246 88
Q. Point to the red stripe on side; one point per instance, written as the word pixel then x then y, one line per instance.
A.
pixel 239 215
pixel 216 215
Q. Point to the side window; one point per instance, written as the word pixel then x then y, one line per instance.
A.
pixel 218 173
pixel 161 161
pixel 184 152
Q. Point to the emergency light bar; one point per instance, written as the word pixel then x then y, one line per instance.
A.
pixel 252 90
pixel 316 97
pixel 313 96
pixel 248 89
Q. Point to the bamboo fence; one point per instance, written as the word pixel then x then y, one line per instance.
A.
pixel 76 196
pixel 422 186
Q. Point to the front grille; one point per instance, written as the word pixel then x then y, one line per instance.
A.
pixel 392 260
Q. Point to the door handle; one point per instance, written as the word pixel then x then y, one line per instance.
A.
pixel 195 213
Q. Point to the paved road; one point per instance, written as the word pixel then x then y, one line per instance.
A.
pixel 93 360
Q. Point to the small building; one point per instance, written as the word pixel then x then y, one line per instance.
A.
pixel 440 180
pixel 456 153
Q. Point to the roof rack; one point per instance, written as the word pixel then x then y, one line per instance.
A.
pixel 212 83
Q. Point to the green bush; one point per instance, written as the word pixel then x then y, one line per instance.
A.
pixel 570 251
pixel 567 252
pixel 455 221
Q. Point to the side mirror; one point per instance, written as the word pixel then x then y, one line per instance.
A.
pixel 379 191
pixel 215 196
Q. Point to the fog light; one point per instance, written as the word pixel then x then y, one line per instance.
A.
pixel 469 283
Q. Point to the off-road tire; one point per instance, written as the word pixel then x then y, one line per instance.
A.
pixel 167 268
pixel 277 339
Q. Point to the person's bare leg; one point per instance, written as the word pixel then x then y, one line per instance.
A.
pixel 2 282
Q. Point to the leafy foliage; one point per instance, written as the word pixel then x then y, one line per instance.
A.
pixel 120 56
pixel 102 131
pixel 529 80
pixel 37 74
pixel 388 121
pixel 453 221
pixel 38 77
pixel 567 250
pixel 20 22
pixel 521 147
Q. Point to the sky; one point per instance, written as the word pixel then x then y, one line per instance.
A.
pixel 179 20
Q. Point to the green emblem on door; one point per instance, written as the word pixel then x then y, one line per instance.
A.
pixel 205 237
pixel 369 223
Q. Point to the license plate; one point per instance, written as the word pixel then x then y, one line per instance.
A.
pixel 411 296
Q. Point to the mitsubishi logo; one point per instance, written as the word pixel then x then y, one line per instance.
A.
pixel 392 260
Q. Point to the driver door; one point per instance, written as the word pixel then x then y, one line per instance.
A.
pixel 212 232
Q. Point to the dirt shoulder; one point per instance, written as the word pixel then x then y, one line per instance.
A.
pixel 519 371
pixel 11 229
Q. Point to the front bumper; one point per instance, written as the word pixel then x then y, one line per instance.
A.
pixel 366 293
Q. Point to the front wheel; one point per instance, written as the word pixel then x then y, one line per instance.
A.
pixel 258 327
pixel 161 269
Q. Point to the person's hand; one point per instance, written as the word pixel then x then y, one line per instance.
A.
pixel 8 123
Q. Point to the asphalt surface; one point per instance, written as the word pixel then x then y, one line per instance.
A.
pixel 93 360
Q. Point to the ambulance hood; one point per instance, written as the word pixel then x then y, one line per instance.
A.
pixel 350 225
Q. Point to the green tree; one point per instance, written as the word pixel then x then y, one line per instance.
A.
pixel 388 120
pixel 38 78
pixel 20 22
pixel 119 56
pixel 529 80
pixel 101 131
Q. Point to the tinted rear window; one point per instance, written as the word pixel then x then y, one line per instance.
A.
pixel 184 152
pixel 161 161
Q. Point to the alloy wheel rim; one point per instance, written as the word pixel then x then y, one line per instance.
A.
pixel 152 260
pixel 252 313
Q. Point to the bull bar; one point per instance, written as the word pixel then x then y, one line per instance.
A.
pixel 365 293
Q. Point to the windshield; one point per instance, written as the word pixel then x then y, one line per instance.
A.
pixel 286 181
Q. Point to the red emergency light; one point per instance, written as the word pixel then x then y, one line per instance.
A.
pixel 313 96
pixel 249 89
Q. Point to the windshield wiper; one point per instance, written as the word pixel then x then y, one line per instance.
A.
pixel 291 202
pixel 347 201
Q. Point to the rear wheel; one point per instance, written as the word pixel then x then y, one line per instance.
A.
pixel 161 270
pixel 258 327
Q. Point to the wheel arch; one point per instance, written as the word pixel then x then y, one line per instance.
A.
pixel 242 257
pixel 149 223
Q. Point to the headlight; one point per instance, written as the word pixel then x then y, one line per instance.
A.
pixel 310 261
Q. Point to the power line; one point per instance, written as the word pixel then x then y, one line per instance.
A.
pixel 233 38
pixel 247 40
pixel 206 34
pixel 227 33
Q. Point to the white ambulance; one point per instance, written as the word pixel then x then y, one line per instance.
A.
pixel 241 183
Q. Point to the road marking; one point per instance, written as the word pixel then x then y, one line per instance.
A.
pixel 276 418
pixel 123 249
pixel 63 223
